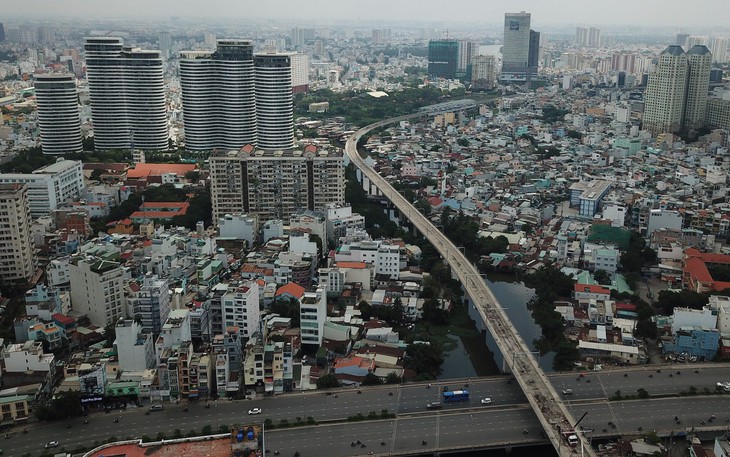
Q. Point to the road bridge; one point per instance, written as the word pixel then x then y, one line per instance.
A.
pixel 543 398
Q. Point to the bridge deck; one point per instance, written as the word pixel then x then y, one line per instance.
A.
pixel 543 398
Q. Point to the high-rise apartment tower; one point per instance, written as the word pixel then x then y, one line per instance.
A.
pixel 127 95
pixel 218 95
pixel 677 90
pixel 274 101
pixel 58 113
pixel 17 250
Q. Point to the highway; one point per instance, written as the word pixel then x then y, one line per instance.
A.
pixel 509 410
pixel 544 399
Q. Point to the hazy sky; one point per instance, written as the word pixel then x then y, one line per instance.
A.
pixel 666 13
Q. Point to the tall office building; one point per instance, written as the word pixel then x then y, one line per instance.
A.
pixel 677 91
pixel 466 52
pixel 381 36
pixel 274 101
pixel 521 45
pixel 665 92
pixel 164 41
pixel 218 96
pixel 483 72
pixel 2 32
pixel 698 85
pixel 681 39
pixel 58 113
pixel 533 57
pixel 275 184
pixel 694 40
pixel 581 36
pixel 17 250
pixel 594 37
pixel 127 95
pixel 443 58
pixel 719 49
pixel 300 36
pixel 299 72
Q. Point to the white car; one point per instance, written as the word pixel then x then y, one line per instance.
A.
pixel 567 391
pixel 486 401
pixel 254 411
pixel 52 444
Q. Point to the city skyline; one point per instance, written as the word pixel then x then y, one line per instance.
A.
pixel 569 12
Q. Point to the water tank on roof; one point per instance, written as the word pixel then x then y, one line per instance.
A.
pixel 239 437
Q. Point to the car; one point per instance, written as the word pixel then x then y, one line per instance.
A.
pixel 156 407
pixel 567 391
pixel 434 405
pixel 253 411
pixel 486 401
pixel 51 444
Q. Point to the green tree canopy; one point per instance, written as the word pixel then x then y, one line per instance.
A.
pixel 327 381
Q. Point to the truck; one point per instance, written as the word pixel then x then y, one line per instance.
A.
pixel 571 438
pixel 456 395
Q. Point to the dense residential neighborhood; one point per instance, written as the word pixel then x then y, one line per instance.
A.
pixel 193 228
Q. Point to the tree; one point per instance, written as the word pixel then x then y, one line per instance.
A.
pixel 66 404
pixel 110 334
pixel 433 313
pixel 327 381
pixel 96 174
pixel 424 359
pixel 193 176
pixel 392 378
pixel 287 307
pixel 371 380
pixel 602 277
pixel 667 300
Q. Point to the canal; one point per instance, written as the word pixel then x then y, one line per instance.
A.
pixel 470 355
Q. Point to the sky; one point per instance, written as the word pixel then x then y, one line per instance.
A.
pixel 653 13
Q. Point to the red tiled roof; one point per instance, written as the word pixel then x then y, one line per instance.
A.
pixel 156 214
pixel 435 201
pixel 352 265
pixel 292 289
pixel 592 288
pixel 697 269
pixel 149 205
pixel 142 170
pixel 62 319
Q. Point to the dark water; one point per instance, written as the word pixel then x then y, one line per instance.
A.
pixel 471 357
pixel 513 295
